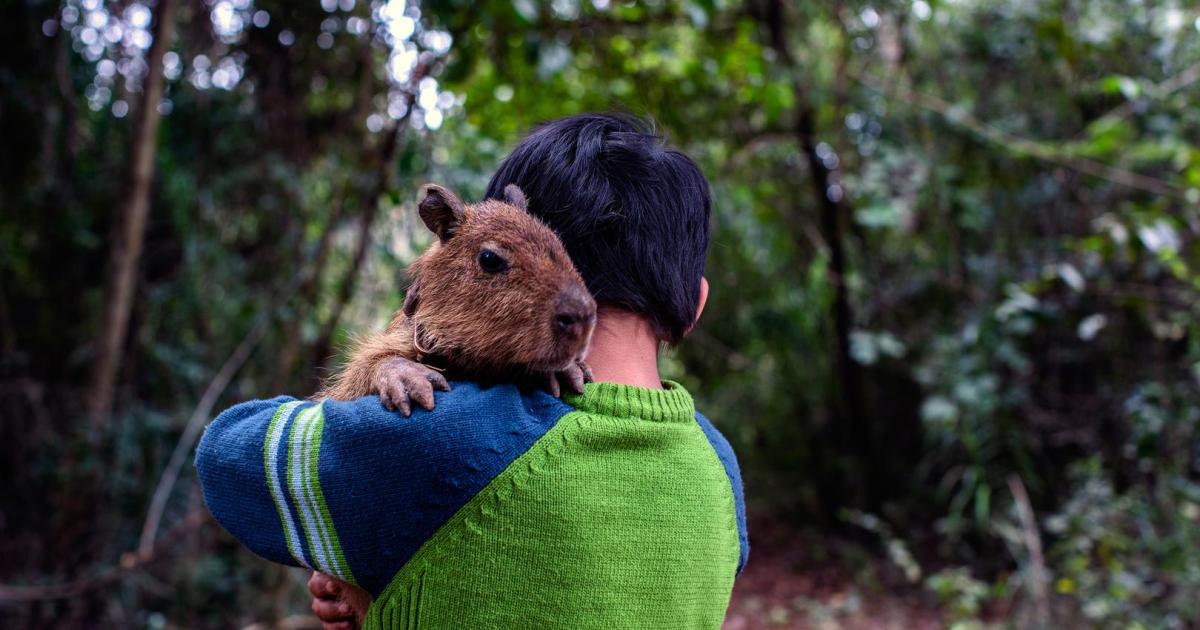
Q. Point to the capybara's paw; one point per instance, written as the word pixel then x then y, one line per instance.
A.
pixel 401 382
pixel 573 377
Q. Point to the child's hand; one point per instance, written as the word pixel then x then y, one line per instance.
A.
pixel 339 605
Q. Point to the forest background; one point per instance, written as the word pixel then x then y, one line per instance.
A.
pixel 955 277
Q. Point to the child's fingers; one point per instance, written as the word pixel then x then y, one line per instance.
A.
pixel 322 586
pixel 332 610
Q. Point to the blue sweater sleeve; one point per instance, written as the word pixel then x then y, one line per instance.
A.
pixel 351 489
pixel 729 461
pixel 230 464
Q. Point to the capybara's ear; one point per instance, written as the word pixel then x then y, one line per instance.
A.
pixel 515 198
pixel 411 298
pixel 441 210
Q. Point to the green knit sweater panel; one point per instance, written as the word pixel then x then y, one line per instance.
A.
pixel 620 516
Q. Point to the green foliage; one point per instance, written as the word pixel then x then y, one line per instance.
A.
pixel 1017 196
pixel 962 595
pixel 1128 556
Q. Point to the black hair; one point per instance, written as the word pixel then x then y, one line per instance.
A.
pixel 632 212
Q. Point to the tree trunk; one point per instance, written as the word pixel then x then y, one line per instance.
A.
pixel 130 229
pixel 383 166
pixel 370 200
pixel 305 301
pixel 852 422
pixel 850 431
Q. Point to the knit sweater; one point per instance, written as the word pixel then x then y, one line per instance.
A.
pixel 618 508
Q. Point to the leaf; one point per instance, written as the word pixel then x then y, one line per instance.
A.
pixel 879 215
pixel 1091 326
pixel 1072 277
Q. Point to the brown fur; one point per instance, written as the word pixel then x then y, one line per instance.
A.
pixel 472 323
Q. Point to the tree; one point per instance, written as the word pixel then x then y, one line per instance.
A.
pixel 130 228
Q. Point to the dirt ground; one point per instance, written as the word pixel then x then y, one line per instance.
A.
pixel 786 584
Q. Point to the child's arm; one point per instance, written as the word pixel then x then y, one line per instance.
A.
pixel 245 480
pixel 267 468
pixel 351 489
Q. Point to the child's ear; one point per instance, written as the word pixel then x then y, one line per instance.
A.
pixel 700 305
pixel 441 210
pixel 515 198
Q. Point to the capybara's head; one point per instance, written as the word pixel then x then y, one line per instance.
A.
pixel 496 291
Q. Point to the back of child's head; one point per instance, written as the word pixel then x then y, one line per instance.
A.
pixel 632 212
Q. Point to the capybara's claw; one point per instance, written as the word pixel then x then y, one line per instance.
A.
pixel 574 377
pixel 400 382
pixel 552 386
pixel 587 372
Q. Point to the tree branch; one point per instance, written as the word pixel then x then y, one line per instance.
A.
pixel 1159 90
pixel 370 200
pixel 130 562
pixel 1030 148
pixel 191 431
pixel 1033 544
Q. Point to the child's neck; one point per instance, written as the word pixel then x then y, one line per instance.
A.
pixel 624 349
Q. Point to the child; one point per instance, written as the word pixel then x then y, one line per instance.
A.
pixel 618 508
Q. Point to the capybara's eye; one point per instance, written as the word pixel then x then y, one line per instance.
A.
pixel 492 262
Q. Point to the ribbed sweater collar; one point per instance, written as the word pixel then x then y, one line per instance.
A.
pixel 671 404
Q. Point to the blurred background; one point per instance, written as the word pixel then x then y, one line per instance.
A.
pixel 955 278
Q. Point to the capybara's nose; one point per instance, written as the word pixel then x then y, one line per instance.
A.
pixel 574 312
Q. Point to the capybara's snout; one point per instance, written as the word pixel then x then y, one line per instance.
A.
pixel 574 314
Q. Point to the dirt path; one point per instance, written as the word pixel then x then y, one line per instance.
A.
pixel 783 586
